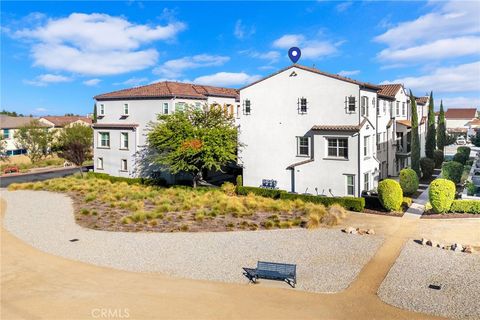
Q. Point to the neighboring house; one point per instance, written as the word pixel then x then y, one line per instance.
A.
pixel 458 120
pixel 9 126
pixel 310 131
pixel 65 121
pixel 123 119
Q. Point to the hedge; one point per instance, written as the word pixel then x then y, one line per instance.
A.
pixel 438 157
pixel 267 193
pixel 441 194
pixel 240 181
pixel 464 150
pixel 390 194
pixel 452 170
pixel 349 203
pixel 460 157
pixel 408 181
pixel 465 206
pixel 113 179
pixel 428 166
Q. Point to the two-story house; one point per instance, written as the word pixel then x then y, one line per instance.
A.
pixel 310 131
pixel 9 127
pixel 124 117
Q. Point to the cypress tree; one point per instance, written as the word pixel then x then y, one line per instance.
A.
pixel 95 113
pixel 415 141
pixel 441 129
pixel 431 134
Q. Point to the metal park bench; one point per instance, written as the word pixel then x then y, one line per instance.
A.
pixel 273 271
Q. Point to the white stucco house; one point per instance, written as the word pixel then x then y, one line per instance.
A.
pixel 458 120
pixel 123 119
pixel 9 127
pixel 310 131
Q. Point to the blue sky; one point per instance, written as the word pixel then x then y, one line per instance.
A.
pixel 55 56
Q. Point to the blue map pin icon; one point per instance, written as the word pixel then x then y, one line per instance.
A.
pixel 294 54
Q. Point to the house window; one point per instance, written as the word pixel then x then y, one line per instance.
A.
pixel 338 147
pixel 123 165
pixel 165 108
pixel 125 109
pixel 351 104
pixel 403 108
pixel 246 106
pixel 104 139
pixel 123 140
pixel 366 182
pixel 397 111
pixel 384 107
pixel 375 106
pixel 99 163
pixel 238 111
pixel 231 109
pixel 366 146
pixel 364 106
pixel 350 185
pixel 303 146
pixel 302 102
pixel 102 110
pixel 6 133
pixel 179 106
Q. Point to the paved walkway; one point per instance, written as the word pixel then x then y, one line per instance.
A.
pixel 418 205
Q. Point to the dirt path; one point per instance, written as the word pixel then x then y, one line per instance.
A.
pixel 36 285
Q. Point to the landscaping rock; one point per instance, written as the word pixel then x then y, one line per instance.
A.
pixel 361 231
pixel 424 241
pixel 468 249
pixel 349 230
pixel 440 245
pixel 434 243
pixel 429 243
pixel 370 231
pixel 457 247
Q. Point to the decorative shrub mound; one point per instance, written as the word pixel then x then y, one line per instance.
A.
pixel 349 203
pixel 390 194
pixel 460 157
pixel 408 181
pixel 452 170
pixel 441 194
pixel 428 166
pixel 464 150
pixel 438 157
pixel 465 206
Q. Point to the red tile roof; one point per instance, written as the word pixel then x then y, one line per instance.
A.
pixel 330 75
pixel 169 89
pixel 422 100
pixel 406 123
pixel 62 121
pixel 461 113
pixel 335 128
pixel 474 122
pixel 389 90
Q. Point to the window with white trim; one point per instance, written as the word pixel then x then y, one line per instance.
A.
pixel 179 106
pixel 247 107
pixel 384 107
pixel 397 111
pixel 337 148
pixel 366 181
pixel 303 146
pixel 6 134
pixel 350 184
pixel 101 110
pixel 123 165
pixel 364 106
pixel 302 105
pixel 104 139
pixel 124 140
pixel 403 108
pixel 125 109
pixel 366 146
pixel 165 108
pixel 99 163
pixel 351 104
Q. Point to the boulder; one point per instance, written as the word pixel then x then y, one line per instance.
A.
pixel 468 249
pixel 424 241
pixel 434 243
pixel 349 230
pixel 457 247
pixel 440 245
pixel 429 243
pixel 361 231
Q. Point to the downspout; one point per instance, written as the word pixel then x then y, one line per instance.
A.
pixel 358 144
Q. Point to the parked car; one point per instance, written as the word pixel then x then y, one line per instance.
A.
pixel 461 141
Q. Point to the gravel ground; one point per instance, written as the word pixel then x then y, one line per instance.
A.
pixel 327 259
pixel 406 285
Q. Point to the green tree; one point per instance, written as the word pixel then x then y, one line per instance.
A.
pixel 3 149
pixel 36 139
pixel 431 132
pixel 415 141
pixel 94 113
pixel 75 144
pixel 441 129
pixel 193 141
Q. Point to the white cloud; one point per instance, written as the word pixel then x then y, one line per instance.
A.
pixel 343 6
pixel 346 73
pixel 438 49
pixel 311 49
pixel 272 56
pixel 174 68
pixel 91 82
pixel 95 44
pixel 135 82
pixel 40 110
pixel 461 78
pixel 241 31
pixel 227 79
pixel 458 102
pixel 46 79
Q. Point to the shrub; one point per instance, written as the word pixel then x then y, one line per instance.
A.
pixel 330 219
pixel 239 181
pixel 428 166
pixel 441 194
pixel 349 203
pixel 85 211
pixel 228 188
pixel 460 157
pixel 471 188
pixel 452 170
pixel 465 206
pixel 268 193
pixel 438 158
pixel 407 202
pixel 408 181
pixel 390 194
pixel 338 211
pixel 464 150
